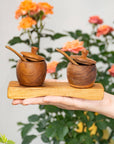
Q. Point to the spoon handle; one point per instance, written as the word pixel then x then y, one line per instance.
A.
pixel 67 56
pixel 21 57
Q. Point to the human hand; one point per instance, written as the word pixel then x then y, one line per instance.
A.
pixel 104 106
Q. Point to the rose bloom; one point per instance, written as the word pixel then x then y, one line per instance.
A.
pixel 45 7
pixel 111 70
pixel 51 67
pixel 95 20
pixel 104 30
pixel 24 7
pixel 26 22
pixel 74 46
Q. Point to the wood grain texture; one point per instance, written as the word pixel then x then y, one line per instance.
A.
pixel 31 73
pixel 15 91
pixel 81 76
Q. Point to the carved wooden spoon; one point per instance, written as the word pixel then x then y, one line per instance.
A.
pixel 20 56
pixel 67 56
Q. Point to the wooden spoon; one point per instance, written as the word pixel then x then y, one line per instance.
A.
pixel 20 56
pixel 67 56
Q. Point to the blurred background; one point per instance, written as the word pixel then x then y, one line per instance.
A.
pixel 68 15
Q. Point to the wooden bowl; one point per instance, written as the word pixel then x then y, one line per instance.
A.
pixel 31 73
pixel 81 76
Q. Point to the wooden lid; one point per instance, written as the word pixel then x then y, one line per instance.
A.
pixel 32 56
pixel 83 59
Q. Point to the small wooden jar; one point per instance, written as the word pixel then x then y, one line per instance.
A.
pixel 31 73
pixel 82 75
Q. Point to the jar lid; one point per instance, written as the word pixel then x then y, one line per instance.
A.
pixel 32 56
pixel 83 59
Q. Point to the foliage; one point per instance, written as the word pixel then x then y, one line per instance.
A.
pixel 57 125
pixel 4 140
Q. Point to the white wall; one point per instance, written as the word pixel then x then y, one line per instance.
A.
pixel 68 15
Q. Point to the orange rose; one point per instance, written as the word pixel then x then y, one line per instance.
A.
pixel 25 7
pixel 26 22
pixel 111 70
pixel 51 67
pixel 95 20
pixel 74 46
pixel 104 30
pixel 45 7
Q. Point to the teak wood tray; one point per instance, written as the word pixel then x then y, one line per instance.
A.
pixel 15 91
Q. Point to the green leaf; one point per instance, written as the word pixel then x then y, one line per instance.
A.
pixel 91 115
pixel 75 34
pixel 44 138
pixel 55 141
pixel 49 50
pixel 73 141
pixel 10 142
pixel 42 125
pixel 85 138
pixel 14 66
pixel 17 39
pixel 85 37
pixel 78 33
pixel 51 130
pixel 48 58
pixel 41 107
pixel 58 35
pixel 102 47
pixel 57 129
pixel 61 65
pixel 26 129
pixel 72 34
pixel 1 140
pixel 62 131
pixel 33 118
pixel 111 124
pixel 50 108
pixel 20 123
pixel 28 139
pixel 4 139
pixel 100 117
pixel 13 60
pixel 101 124
pixel 35 45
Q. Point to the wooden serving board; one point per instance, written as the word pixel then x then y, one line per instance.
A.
pixel 15 91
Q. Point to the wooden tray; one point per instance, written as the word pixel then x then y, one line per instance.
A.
pixel 15 91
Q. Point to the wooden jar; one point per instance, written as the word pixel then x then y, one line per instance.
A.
pixel 31 68
pixel 81 76
pixel 31 73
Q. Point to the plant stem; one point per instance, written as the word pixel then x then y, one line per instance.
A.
pixel 30 38
pixel 93 29
pixel 38 31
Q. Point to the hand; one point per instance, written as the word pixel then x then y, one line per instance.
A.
pixel 105 106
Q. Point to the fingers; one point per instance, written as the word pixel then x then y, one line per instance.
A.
pixel 34 101
pixel 61 102
pixel 16 102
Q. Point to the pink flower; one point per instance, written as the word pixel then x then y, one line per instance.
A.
pixel 111 70
pixel 104 30
pixel 95 20
pixel 51 67
pixel 74 46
